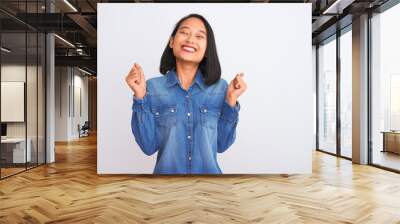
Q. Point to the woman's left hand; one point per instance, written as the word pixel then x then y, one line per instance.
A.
pixel 235 88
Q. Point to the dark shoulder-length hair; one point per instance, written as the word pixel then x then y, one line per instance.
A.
pixel 209 65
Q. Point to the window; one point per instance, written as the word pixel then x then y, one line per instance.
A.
pixel 327 96
pixel 346 93
pixel 385 89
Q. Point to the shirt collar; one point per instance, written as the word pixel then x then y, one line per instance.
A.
pixel 172 78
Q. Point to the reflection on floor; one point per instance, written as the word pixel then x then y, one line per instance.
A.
pixel 11 169
pixel 346 151
pixel 386 159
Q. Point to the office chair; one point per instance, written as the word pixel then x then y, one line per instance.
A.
pixel 84 130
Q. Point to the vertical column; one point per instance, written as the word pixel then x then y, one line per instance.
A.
pixel 360 90
pixel 50 92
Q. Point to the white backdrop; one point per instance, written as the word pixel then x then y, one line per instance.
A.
pixel 270 43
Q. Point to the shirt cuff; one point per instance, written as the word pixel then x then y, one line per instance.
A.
pixel 139 104
pixel 230 113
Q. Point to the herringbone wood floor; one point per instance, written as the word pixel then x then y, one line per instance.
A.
pixel 70 191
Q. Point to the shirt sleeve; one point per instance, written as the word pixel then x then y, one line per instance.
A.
pixel 143 125
pixel 227 126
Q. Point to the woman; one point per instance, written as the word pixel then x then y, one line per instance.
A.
pixel 190 113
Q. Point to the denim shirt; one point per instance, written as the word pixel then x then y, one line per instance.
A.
pixel 186 127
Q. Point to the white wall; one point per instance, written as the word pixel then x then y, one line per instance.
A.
pixel 270 43
pixel 80 84
pixel 68 82
pixel 61 103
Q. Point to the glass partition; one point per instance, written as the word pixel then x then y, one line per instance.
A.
pixel 13 110
pixel 22 78
pixel 327 96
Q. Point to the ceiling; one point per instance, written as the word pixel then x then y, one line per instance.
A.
pixel 76 22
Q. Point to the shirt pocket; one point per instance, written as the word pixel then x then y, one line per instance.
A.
pixel 209 116
pixel 165 116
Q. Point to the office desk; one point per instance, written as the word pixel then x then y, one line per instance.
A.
pixel 391 141
pixel 13 150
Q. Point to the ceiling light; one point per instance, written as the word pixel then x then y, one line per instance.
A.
pixel 86 72
pixel 70 5
pixel 64 40
pixel 5 50
pixel 337 7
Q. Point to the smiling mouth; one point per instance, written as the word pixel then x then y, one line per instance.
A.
pixel 188 49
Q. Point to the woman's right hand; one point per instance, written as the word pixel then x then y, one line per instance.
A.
pixel 136 81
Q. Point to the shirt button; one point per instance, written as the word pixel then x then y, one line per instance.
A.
pixel 189 136
pixel 205 110
pixel 157 113
pixel 187 96
pixel 190 158
pixel 188 114
pixel 172 110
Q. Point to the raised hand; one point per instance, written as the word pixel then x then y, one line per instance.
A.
pixel 235 88
pixel 136 81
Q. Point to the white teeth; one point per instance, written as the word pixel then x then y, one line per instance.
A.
pixel 189 49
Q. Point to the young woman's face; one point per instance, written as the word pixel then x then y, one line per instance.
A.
pixel 190 41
